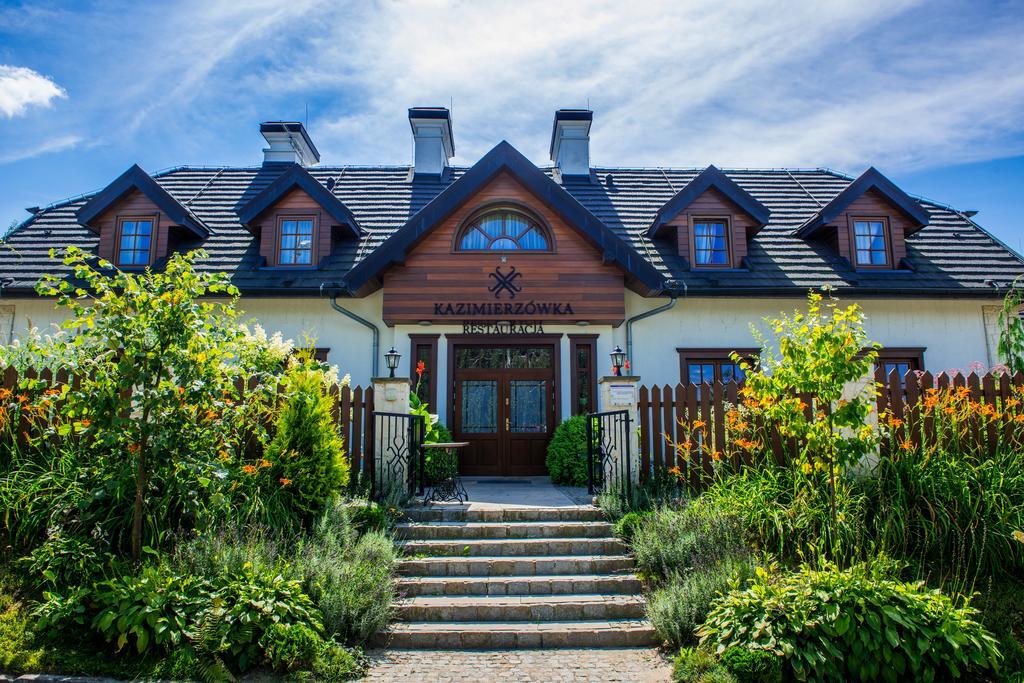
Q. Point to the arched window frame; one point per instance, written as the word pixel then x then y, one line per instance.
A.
pixel 504 207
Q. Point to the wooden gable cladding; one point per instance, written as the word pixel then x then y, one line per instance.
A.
pixel 133 204
pixel 871 205
pixel 436 283
pixel 714 204
pixel 295 203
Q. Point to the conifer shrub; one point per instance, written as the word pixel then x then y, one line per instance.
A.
pixel 307 453
pixel 567 453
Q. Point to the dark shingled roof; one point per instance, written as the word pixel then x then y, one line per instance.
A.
pixel 950 256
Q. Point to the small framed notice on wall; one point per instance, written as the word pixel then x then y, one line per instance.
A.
pixel 622 394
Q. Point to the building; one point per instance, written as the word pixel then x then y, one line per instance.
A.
pixel 512 282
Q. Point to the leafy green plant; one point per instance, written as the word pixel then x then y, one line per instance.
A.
pixel 291 646
pixel 679 606
pixel 852 624
pixel 627 526
pixel 337 663
pixel 152 609
pixel 821 354
pixel 306 457
pixel 251 602
pixel 567 452
pixel 752 666
pixel 1011 328
pixel 698 665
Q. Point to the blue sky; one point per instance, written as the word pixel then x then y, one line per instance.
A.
pixel 930 93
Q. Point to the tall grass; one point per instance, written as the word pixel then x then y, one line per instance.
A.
pixel 951 514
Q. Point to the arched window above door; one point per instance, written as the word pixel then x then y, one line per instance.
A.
pixel 503 230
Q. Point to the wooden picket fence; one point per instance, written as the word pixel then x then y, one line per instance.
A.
pixel 352 409
pixel 667 415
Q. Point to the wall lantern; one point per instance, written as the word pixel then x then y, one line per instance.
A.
pixel 618 360
pixel 391 359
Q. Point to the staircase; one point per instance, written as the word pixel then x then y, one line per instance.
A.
pixel 515 578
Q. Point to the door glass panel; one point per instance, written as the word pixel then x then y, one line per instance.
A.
pixel 479 406
pixel 529 406
pixel 503 357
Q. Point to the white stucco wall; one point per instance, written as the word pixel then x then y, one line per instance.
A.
pixel 953 332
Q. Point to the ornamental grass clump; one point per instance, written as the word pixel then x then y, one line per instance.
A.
pixel 859 623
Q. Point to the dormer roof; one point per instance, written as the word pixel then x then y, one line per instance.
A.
pixel 709 178
pixel 137 179
pixel 871 179
pixel 293 177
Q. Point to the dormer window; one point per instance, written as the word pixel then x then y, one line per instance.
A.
pixel 135 240
pixel 296 241
pixel 871 242
pixel 711 242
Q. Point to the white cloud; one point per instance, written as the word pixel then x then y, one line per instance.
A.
pixel 21 88
pixel 845 84
pixel 57 144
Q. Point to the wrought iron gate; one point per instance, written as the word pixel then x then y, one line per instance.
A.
pixel 609 452
pixel 397 453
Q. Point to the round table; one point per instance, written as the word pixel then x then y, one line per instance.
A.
pixel 449 488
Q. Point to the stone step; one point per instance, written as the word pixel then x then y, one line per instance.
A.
pixel 505 547
pixel 496 635
pixel 463 513
pixel 619 584
pixel 567 529
pixel 515 566
pixel 520 608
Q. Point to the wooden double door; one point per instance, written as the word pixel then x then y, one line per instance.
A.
pixel 504 406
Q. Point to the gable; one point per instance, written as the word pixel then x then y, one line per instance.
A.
pixel 871 204
pixel 504 157
pixel 709 179
pixel 293 178
pixel 714 203
pixel 439 284
pixel 296 202
pixel 137 180
pixel 871 181
pixel 133 204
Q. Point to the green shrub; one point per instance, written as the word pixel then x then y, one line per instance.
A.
pixel 440 464
pixel 681 605
pixel 698 665
pixel 368 517
pixel 673 541
pixel 627 526
pixel 567 453
pixel 853 624
pixel 752 666
pixel 337 663
pixel 290 647
pixel 307 453
pixel 353 587
pixel 152 609
pixel 251 603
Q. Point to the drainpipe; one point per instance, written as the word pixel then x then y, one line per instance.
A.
pixel 362 321
pixel 646 314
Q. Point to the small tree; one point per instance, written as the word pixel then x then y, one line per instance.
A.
pixel 154 358
pixel 1011 329
pixel 820 354
pixel 307 454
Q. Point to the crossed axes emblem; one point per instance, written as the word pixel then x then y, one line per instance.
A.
pixel 505 282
